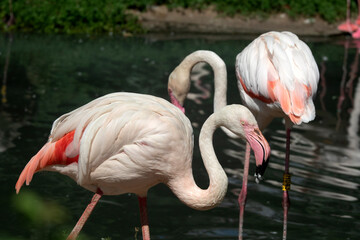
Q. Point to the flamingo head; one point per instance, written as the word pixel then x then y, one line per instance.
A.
pixel 249 131
pixel 178 87
pixel 260 147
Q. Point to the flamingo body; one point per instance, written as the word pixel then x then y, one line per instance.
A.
pixel 120 143
pixel 348 27
pixel 278 77
pixel 356 34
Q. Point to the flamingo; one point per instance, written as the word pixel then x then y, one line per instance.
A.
pixel 127 143
pixel 347 26
pixel 178 88
pixel 278 77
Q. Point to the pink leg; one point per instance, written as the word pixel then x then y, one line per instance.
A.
pixel 286 183
pixel 242 196
pixel 348 12
pixel 358 18
pixel 144 218
pixel 79 225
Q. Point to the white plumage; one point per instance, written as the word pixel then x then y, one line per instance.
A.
pixel 127 143
pixel 278 77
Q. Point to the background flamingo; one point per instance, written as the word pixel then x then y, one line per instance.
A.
pixel 348 26
pixel 127 143
pixel 278 77
pixel 178 88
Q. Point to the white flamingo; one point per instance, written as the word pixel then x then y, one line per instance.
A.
pixel 278 77
pixel 127 143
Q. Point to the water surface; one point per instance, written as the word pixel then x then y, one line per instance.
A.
pixel 46 76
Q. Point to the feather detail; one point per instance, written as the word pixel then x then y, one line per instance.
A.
pixel 282 95
pixel 279 70
pixel 52 153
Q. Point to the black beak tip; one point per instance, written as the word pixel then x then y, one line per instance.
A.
pixel 260 170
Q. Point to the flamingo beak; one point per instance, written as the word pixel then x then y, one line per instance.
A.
pixel 175 102
pixel 261 150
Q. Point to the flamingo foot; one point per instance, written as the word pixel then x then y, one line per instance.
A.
pixel 286 183
pixel 79 225
pixel 286 206
pixel 242 202
pixel 348 27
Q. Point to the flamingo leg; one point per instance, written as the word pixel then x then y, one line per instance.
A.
pixel 358 18
pixel 144 218
pixel 286 184
pixel 79 225
pixel 242 196
pixel 348 12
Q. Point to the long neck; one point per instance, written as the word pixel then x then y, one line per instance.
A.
pixel 184 186
pixel 220 73
pixel 220 77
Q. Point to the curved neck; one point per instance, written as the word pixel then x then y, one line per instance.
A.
pixel 220 77
pixel 220 73
pixel 184 186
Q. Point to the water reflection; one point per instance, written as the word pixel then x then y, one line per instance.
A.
pixel 353 129
pixel 50 75
pixel 6 68
pixel 9 131
pixel 315 159
pixel 199 71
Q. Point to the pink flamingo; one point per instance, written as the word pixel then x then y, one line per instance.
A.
pixel 356 34
pixel 278 77
pixel 347 26
pixel 178 88
pixel 128 142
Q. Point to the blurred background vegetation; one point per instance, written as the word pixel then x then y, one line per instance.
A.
pixel 97 16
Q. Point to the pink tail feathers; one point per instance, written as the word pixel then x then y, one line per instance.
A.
pixel 51 153
pixel 32 166
pixel 297 104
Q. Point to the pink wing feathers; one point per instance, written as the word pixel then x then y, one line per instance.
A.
pixel 51 153
pixel 278 68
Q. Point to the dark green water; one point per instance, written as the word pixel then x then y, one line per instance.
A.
pixel 46 76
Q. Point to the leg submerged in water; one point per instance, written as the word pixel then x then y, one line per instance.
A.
pixel 286 184
pixel 243 193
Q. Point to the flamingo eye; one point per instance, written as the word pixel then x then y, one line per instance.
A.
pixel 242 122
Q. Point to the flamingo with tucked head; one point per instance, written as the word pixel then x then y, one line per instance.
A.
pixel 127 143
pixel 347 26
pixel 278 77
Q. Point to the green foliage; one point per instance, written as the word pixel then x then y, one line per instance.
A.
pixel 43 217
pixel 94 16
pixel 37 210
pixel 330 10
pixel 71 16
